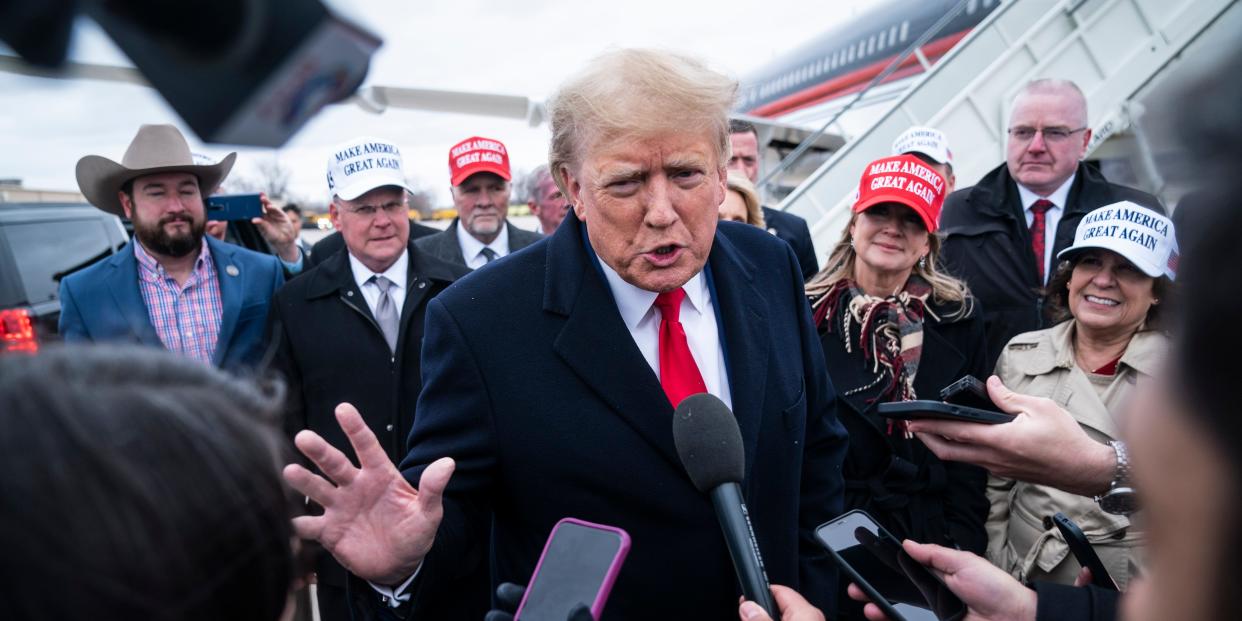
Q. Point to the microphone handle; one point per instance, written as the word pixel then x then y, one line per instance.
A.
pixel 740 537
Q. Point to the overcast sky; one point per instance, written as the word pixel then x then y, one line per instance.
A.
pixel 519 48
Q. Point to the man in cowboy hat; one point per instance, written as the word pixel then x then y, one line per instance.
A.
pixel 172 286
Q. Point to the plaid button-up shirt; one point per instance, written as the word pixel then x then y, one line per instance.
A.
pixel 186 317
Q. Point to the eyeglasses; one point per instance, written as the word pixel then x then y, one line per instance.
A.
pixel 1051 134
pixel 392 208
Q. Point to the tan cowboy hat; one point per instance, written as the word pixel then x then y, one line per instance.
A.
pixel 156 149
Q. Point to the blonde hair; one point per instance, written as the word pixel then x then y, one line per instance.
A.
pixel 945 288
pixel 740 184
pixel 637 91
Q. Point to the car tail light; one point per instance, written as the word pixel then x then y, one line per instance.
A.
pixel 17 331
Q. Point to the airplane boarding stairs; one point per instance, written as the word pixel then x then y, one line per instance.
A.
pixel 1111 48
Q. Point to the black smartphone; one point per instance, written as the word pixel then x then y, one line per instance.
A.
pixel 1078 544
pixel 234 207
pixel 970 392
pixel 580 562
pixel 915 410
pixel 874 560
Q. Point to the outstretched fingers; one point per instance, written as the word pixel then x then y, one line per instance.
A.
pixel 308 526
pixel 366 446
pixel 330 461
pixel 433 481
pixel 310 484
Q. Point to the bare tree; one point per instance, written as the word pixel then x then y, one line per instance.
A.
pixel 269 176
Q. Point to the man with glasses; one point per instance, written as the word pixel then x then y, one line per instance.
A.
pixel 1001 235
pixel 350 329
pixel 481 233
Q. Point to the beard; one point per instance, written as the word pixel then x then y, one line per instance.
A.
pixel 156 238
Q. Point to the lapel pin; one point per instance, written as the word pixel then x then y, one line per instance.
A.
pixel 231 270
pixel 349 293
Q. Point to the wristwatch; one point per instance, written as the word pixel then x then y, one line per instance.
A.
pixel 1120 498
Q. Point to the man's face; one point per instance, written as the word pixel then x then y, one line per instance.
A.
pixel 1038 163
pixel 650 204
pixel 548 204
pixel 482 202
pixel 745 157
pixel 167 212
pixel 375 226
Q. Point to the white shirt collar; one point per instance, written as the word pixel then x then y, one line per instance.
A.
pixel 635 303
pixel 1057 198
pixel 471 247
pixel 396 272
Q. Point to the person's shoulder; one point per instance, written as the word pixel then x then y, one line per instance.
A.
pixel 750 236
pixel 503 284
pixel 777 217
pixel 523 236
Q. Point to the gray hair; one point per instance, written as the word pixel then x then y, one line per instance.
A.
pixel 637 91
pixel 1054 86
pixel 530 185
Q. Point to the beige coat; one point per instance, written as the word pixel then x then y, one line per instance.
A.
pixel 1021 537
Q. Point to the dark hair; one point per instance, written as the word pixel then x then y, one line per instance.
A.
pixel 1057 295
pixel 293 207
pixel 738 126
pixel 128 189
pixel 137 485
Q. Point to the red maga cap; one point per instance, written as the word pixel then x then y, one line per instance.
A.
pixel 475 155
pixel 906 180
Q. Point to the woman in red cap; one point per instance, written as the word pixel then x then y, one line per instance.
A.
pixel 896 328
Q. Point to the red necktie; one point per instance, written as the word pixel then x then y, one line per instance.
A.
pixel 1039 209
pixel 679 375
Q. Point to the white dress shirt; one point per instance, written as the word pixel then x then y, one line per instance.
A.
pixel 1051 218
pixel 396 273
pixel 698 318
pixel 472 249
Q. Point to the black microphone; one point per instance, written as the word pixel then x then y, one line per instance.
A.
pixel 710 447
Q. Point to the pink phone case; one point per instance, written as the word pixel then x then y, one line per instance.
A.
pixel 601 596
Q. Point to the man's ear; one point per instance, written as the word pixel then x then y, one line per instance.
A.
pixel 126 204
pixel 574 187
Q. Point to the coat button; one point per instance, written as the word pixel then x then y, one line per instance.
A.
pixel 421 285
pixel 1048 525
pixel 389 426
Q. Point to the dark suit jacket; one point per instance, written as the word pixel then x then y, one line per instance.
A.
pixel 103 302
pixel 329 350
pixel 533 384
pixel 988 244
pixel 444 243
pixel 794 231
pixel 898 481
pixel 333 243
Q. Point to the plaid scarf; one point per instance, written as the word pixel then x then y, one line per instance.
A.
pixel 890 334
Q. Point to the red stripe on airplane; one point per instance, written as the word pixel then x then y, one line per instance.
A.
pixel 856 80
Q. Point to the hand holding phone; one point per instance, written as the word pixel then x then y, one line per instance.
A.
pixel 580 562
pixel 1081 547
pixel 234 207
pixel 965 400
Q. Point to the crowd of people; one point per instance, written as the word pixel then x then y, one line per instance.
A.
pixel 453 394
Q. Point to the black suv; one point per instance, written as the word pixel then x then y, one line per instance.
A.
pixel 41 243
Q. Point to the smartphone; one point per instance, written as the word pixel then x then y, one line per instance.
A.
pixel 874 560
pixel 915 410
pixel 234 207
pixel 580 563
pixel 1078 544
pixel 970 392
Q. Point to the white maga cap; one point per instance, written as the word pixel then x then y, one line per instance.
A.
pixel 363 164
pixel 926 140
pixel 1144 237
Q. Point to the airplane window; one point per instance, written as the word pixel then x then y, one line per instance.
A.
pixel 905 30
pixel 862 49
pixel 972 6
pixel 892 34
pixel 871 45
pixel 850 56
pixel 880 45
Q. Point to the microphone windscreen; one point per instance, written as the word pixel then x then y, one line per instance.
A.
pixel 708 442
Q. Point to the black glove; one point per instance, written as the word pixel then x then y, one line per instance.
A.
pixel 509 597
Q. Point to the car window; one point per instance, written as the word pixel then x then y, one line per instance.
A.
pixel 47 251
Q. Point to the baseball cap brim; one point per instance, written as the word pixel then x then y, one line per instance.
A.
pixel 1120 247
pixel 351 191
pixel 879 198
pixel 466 173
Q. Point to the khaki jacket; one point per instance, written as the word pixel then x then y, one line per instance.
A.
pixel 1021 536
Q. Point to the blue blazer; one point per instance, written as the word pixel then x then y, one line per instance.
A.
pixel 533 384
pixel 103 303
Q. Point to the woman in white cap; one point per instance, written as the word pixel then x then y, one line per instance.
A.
pixel 1108 292
pixel 896 328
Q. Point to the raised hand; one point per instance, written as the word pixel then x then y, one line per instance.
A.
pixel 1042 445
pixel 374 523
pixel 278 229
